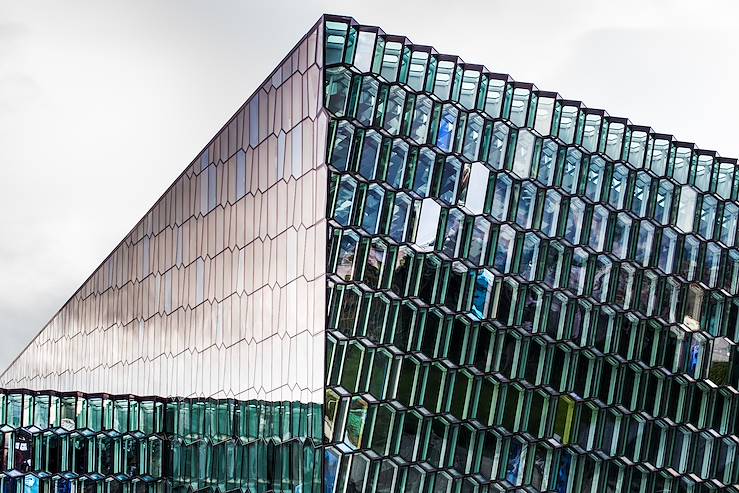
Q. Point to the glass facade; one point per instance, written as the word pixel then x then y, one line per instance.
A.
pixel 99 443
pixel 219 290
pixel 393 271
pixel 524 294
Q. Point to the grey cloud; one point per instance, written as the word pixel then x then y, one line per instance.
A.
pixel 12 31
pixel 17 90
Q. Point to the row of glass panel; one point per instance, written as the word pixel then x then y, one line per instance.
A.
pixel 482 241
pixel 476 188
pixel 530 468
pixel 130 456
pixel 194 443
pixel 411 380
pixel 438 442
pixel 189 419
pixel 377 99
pixel 29 483
pixel 485 293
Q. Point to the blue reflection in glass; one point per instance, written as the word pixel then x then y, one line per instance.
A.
pixel 481 297
pixel 446 128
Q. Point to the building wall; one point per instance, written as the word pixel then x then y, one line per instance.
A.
pixel 219 290
pixel 524 293
pixel 73 442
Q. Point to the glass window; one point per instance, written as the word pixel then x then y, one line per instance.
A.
pixel 591 131
pixel 424 172
pixel 550 213
pixel 337 89
pixel 707 217
pixel 681 164
pixel 335 37
pixel 475 181
pixel 397 164
pixel 453 234
pixel 640 198
pixel 598 225
pixel 367 101
pixel 621 234
pixel 601 277
pixel 504 249
pixel 667 250
pixel 482 294
pixel 544 112
pixel 498 145
pixel 703 167
pixel 577 271
pixel 399 220
pixel 494 97
pixel 729 224
pixel 472 138
pixel 644 245
pixel 443 82
pixel 421 119
pixel 725 179
pixel 524 153
pixel 450 180
pixel 637 148
pixel 479 241
pixel 370 153
pixel 468 89
pixel 614 140
pixel 689 261
pixel 501 197
pixel 519 106
pixel 526 205
pixel 428 224
pixel 718 366
pixel 547 162
pixel 686 208
pixel 372 208
pixel 571 172
pixel 346 255
pixel 617 193
pixel 664 202
pixel 529 256
pixel 594 184
pixel 574 223
pixel 447 126
pixel 391 60
pixel 393 113
pixel 345 200
pixel 658 159
pixel 417 70
pixel 365 50
pixel 342 146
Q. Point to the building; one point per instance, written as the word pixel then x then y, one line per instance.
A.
pixel 395 271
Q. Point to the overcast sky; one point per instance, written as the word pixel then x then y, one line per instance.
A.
pixel 103 104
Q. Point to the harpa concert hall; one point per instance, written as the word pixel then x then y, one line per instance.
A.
pixel 395 271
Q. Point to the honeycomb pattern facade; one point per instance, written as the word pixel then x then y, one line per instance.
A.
pixel 99 443
pixel 524 294
pixel 219 290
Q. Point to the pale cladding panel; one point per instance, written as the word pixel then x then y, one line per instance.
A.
pixel 219 290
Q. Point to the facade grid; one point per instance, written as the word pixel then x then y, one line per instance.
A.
pixel 525 294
